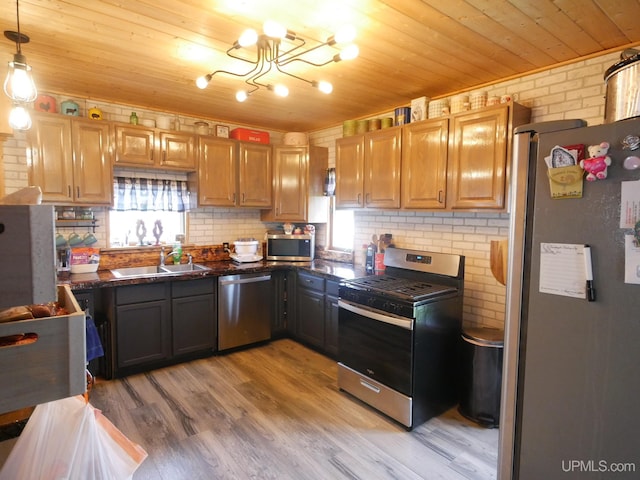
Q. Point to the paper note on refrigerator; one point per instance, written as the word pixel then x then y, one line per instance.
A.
pixel 629 204
pixel 562 270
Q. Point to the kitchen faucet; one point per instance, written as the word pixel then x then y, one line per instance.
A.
pixel 173 252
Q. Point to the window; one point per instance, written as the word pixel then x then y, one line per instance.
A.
pixel 342 228
pixel 124 227
pixel 147 211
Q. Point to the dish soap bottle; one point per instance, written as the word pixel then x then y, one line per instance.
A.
pixel 133 119
pixel 177 252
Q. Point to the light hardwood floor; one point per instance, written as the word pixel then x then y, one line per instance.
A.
pixel 275 412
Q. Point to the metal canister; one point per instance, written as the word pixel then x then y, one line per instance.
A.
pixel 348 128
pixel 375 124
pixel 362 126
pixel 402 116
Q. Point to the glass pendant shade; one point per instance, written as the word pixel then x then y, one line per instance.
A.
pixel 19 118
pixel 19 85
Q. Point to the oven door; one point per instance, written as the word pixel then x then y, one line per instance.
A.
pixel 377 344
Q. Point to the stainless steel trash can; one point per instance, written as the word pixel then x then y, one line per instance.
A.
pixel 481 375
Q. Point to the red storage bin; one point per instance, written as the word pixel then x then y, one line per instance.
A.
pixel 249 135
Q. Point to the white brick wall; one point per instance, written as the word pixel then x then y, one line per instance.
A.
pixel 571 91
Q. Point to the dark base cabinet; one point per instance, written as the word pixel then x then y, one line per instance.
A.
pixel 331 318
pixel 284 323
pixel 317 313
pixel 157 324
pixel 142 324
pixel 193 316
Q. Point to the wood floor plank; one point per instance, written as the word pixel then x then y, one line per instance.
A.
pixel 275 412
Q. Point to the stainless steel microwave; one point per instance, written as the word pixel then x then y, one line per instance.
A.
pixel 292 248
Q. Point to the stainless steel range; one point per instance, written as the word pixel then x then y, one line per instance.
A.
pixel 399 335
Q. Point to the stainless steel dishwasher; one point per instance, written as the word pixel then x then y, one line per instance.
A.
pixel 245 309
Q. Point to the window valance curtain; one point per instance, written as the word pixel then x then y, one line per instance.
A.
pixel 150 194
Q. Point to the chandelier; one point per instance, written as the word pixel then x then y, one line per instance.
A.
pixel 19 85
pixel 277 48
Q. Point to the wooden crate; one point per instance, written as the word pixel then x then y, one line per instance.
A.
pixel 50 368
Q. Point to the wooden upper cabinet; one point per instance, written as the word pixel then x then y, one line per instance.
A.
pixel 298 185
pixel 177 150
pixel 216 178
pixel 382 162
pixel 254 175
pixel 290 187
pixel 368 169
pixel 135 146
pixel 138 146
pixel 424 164
pixel 231 174
pixel 478 159
pixel 70 160
pixel 92 172
pixel 350 172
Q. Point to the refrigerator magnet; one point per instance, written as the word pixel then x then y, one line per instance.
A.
pixel 565 182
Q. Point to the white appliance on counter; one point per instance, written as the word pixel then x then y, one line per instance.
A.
pixel 246 250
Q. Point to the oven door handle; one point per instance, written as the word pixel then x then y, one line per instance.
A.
pixel 398 321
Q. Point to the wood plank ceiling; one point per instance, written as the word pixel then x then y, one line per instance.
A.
pixel 149 52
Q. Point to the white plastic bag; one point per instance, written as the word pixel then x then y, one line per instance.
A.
pixel 70 439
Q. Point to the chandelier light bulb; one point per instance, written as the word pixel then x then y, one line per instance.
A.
pixel 241 96
pixel 281 90
pixel 350 52
pixel 274 29
pixel 19 118
pixel 19 84
pixel 249 37
pixel 324 87
pixel 202 82
pixel 346 34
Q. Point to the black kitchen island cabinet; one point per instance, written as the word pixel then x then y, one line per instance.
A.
pixel 157 324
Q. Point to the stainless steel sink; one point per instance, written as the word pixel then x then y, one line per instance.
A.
pixel 184 267
pixel 156 270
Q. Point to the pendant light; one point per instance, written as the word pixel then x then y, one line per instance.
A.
pixel 19 85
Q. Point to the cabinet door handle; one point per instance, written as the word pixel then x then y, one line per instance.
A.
pixel 359 202
pixel 77 192
pixel 440 192
pixel 69 191
pixel 367 198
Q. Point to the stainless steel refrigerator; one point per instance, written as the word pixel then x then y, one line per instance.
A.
pixel 571 378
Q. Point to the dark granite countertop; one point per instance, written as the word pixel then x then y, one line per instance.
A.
pixel 326 268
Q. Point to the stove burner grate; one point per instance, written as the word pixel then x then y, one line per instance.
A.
pixel 414 290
